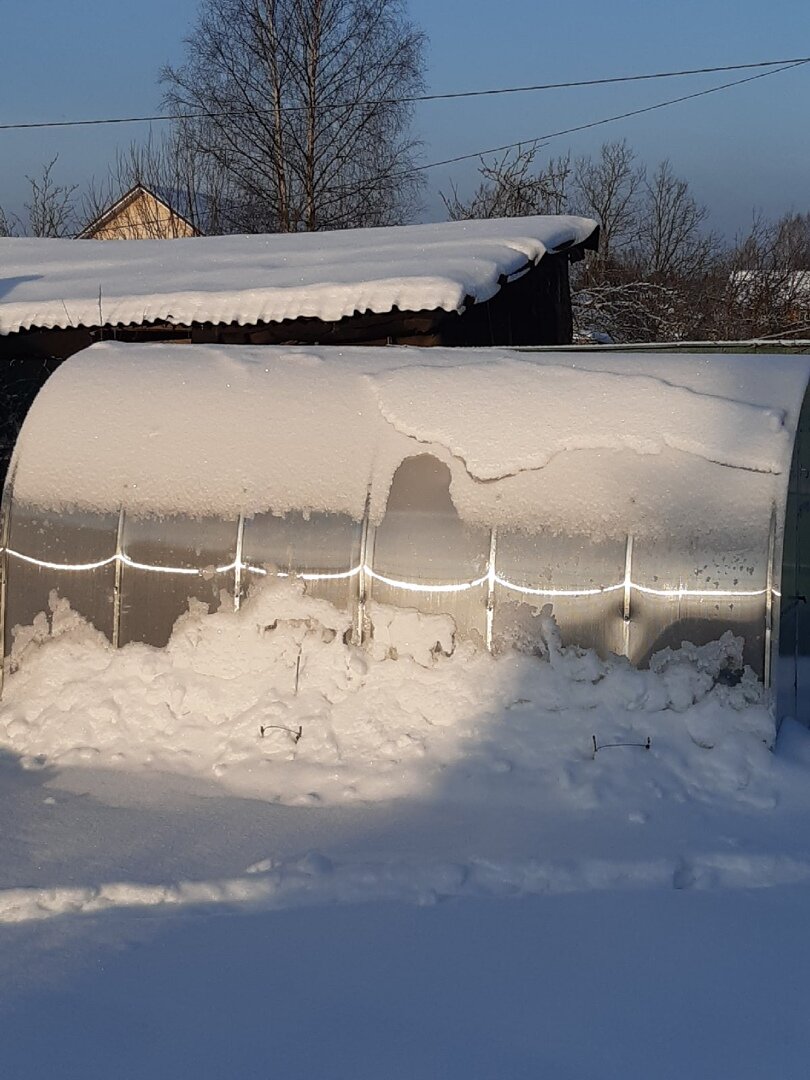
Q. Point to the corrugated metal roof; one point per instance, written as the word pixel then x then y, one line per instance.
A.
pixel 270 278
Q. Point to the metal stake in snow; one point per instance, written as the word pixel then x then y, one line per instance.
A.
pixel 294 733
pixel 612 745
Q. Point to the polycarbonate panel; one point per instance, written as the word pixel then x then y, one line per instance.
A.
pixel 324 547
pixel 793 659
pixel 580 579
pixel 157 591
pixel 790 671
pixel 74 541
pixel 423 543
pixel 422 555
pixel 692 595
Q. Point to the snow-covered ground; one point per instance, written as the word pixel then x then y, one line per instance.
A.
pixel 438 878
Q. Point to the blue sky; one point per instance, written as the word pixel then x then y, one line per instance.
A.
pixel 742 148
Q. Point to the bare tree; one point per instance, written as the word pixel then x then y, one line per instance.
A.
pixel 660 275
pixel 657 274
pixel 609 189
pixel 670 240
pixel 512 187
pixel 51 211
pixel 6 225
pixel 794 239
pixel 302 109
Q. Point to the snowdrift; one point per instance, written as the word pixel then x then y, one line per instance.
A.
pixel 275 701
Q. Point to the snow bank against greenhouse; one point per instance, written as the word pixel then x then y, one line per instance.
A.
pixel 272 702
pixel 250 279
pixel 569 443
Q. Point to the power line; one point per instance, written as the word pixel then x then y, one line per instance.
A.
pixel 541 140
pixel 606 81
pixel 780 65
pixel 610 119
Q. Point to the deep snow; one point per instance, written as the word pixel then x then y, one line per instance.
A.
pixel 273 701
pixel 485 897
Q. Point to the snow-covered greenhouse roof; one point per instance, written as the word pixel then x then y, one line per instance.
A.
pixel 566 443
pixel 271 278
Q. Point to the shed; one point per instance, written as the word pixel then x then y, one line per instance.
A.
pixel 648 498
pixel 493 282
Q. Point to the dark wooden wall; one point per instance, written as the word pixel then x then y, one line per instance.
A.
pixel 533 310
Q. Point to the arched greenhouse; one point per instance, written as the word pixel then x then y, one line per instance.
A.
pixel 649 498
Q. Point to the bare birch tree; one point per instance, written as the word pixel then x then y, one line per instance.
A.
pixel 302 109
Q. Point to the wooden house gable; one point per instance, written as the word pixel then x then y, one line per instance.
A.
pixel 140 214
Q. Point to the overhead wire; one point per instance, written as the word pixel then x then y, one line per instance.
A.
pixel 774 68
pixel 542 139
pixel 780 65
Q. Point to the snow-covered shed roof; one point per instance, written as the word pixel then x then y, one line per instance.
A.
pixel 271 278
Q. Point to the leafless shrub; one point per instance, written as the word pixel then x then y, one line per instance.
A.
pixel 7 227
pixel 767 281
pixel 510 187
pixel 625 311
pixel 51 211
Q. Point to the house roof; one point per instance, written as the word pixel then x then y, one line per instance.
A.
pixel 197 209
pixel 272 278
pixel 129 197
